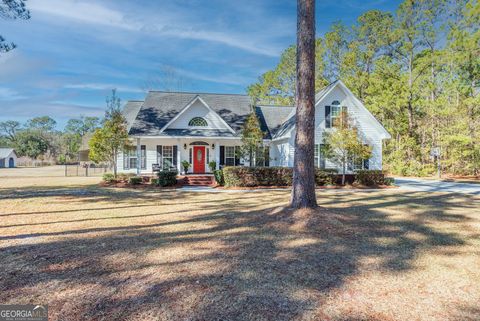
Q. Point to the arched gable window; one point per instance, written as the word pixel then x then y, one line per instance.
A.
pixel 198 121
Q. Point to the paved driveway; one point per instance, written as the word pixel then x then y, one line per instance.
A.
pixel 428 185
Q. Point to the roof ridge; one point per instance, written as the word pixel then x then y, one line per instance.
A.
pixel 195 93
pixel 275 106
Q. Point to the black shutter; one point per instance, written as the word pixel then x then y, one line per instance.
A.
pixel 222 155
pixel 159 157
pixel 175 156
pixel 327 117
pixel 237 156
pixel 267 156
pixel 366 163
pixel 143 156
pixel 190 158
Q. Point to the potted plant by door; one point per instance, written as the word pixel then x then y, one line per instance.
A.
pixel 186 166
pixel 212 165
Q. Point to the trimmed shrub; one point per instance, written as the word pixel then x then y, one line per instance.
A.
pixel 167 178
pixel 125 177
pixel 218 174
pixel 370 177
pixel 108 177
pixel 389 181
pixel 257 176
pixel 325 177
pixel 154 181
pixel 135 180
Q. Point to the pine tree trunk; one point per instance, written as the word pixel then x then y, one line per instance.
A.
pixel 303 191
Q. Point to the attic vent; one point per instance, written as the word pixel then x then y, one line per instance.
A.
pixel 197 121
pixel 336 102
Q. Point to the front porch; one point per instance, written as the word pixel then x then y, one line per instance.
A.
pixel 150 154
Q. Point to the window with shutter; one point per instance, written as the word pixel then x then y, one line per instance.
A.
pixel 130 157
pixel 230 155
pixel 143 156
pixel 327 117
pixel 222 156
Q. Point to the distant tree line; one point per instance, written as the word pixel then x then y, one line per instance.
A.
pixel 417 70
pixel 39 139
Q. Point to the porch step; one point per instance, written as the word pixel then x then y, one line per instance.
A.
pixel 198 180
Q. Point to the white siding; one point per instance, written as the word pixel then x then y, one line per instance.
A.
pixel 182 153
pixel 279 153
pixel 198 109
pixel 368 131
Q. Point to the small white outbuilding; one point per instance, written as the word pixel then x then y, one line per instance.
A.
pixel 8 158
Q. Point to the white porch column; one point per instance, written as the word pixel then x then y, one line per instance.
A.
pixel 217 153
pixel 179 160
pixel 139 156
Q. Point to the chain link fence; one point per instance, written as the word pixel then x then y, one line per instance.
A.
pixel 85 169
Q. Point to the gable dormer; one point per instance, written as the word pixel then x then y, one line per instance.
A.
pixel 197 115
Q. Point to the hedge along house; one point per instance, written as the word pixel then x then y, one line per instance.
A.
pixel 8 158
pixel 168 128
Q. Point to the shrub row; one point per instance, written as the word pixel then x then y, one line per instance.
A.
pixel 240 176
pixel 370 177
pixel 165 178
pixel 122 177
pixel 268 176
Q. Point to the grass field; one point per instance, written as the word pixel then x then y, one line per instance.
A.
pixel 108 254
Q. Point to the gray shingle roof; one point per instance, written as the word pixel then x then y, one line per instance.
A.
pixel 160 108
pixel 130 111
pixel 271 118
pixel 4 152
pixel 198 132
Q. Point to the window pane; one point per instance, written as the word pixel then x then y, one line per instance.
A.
pixel 230 151
pixel 335 111
pixel 230 161
pixel 133 163
pixel 167 151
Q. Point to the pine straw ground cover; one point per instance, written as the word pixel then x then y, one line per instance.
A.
pixel 116 254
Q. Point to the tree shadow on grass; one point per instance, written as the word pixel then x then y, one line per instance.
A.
pixel 234 262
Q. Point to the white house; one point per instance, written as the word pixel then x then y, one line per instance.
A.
pixel 8 158
pixel 168 128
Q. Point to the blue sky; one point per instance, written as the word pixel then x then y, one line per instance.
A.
pixel 73 52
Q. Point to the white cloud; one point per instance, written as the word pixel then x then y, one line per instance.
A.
pixel 7 94
pixel 228 39
pixel 82 11
pixel 39 107
pixel 159 25
pixel 100 86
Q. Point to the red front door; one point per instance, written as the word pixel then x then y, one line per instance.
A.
pixel 199 159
